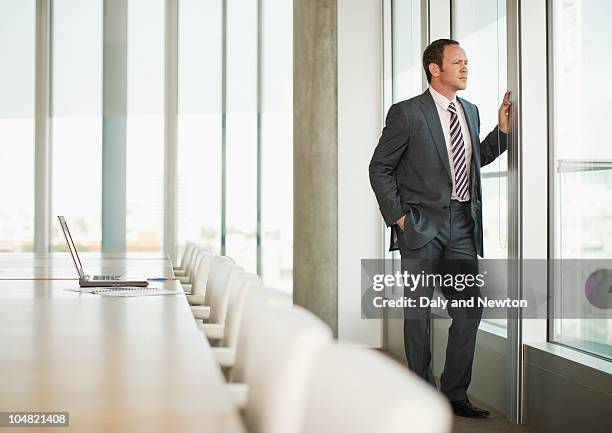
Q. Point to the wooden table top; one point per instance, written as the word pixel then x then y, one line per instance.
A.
pixel 135 364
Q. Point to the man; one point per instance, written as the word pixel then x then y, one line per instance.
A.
pixel 425 173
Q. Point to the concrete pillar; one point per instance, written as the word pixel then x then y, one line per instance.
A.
pixel 42 158
pixel 171 130
pixel 315 150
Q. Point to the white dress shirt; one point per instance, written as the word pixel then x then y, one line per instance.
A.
pixel 445 116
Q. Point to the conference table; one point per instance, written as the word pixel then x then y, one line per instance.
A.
pixel 114 364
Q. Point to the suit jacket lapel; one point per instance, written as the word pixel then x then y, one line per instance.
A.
pixel 430 111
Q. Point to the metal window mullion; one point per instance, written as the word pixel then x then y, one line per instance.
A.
pixel 223 124
pixel 425 34
pixel 451 30
pixel 259 126
pixel 386 90
pixel 386 62
pixel 515 244
pixel 42 149
pixel 553 184
pixel 170 128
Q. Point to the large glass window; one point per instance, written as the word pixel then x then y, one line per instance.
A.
pixel 145 125
pixel 199 123
pixel 17 46
pixel 241 165
pixel 277 144
pixel 240 97
pixel 582 158
pixel 258 132
pixel 407 46
pixel 480 28
pixel 407 74
pixel 76 128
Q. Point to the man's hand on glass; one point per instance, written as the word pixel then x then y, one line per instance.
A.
pixel 505 114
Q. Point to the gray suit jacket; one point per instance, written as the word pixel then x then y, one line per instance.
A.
pixel 410 170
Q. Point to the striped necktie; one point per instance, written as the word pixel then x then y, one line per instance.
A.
pixel 459 156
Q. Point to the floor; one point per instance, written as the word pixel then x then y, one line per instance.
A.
pixel 496 423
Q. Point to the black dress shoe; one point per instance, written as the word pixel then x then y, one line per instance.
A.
pixel 465 409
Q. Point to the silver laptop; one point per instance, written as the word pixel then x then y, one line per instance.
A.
pixel 95 280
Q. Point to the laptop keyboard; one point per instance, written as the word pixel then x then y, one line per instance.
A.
pixel 106 277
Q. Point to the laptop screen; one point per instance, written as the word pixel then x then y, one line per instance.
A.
pixel 73 252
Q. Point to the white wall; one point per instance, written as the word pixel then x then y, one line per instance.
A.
pixel 359 127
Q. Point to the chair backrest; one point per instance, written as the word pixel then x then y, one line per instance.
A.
pixel 202 272
pixel 219 291
pixel 226 300
pixel 193 259
pixel 283 345
pixel 362 391
pixel 186 254
pixel 235 308
pixel 255 303
pixel 196 257
pixel 255 300
pixel 217 263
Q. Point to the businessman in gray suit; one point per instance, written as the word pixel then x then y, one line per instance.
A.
pixel 425 173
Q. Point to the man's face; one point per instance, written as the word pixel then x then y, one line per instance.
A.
pixel 454 72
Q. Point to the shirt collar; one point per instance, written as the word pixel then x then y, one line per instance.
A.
pixel 441 100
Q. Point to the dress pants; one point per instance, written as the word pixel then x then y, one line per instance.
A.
pixel 451 252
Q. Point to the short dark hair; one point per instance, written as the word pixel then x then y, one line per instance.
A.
pixel 434 53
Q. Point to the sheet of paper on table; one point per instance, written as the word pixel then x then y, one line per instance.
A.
pixel 126 291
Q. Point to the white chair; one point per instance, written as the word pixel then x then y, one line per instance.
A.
pixel 223 304
pixel 186 253
pixel 362 391
pixel 244 312
pixel 221 269
pixel 275 357
pixel 195 291
pixel 192 267
pixel 186 260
